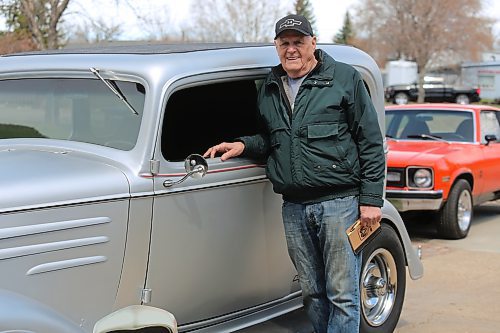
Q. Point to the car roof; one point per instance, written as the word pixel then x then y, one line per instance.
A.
pixel 442 106
pixel 152 48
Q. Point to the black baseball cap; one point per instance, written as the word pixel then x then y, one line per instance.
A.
pixel 294 22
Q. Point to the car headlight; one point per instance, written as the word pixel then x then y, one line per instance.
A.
pixel 420 177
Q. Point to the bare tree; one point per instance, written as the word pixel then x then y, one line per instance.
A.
pixel 234 21
pixel 95 31
pixel 155 21
pixel 425 31
pixel 43 18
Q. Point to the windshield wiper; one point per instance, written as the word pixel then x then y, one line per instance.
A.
pixel 425 136
pixel 112 86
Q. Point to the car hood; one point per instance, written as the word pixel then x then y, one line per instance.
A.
pixel 36 178
pixel 403 153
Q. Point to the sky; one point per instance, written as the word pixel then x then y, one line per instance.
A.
pixel 329 14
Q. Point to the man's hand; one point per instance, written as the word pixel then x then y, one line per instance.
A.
pixel 228 150
pixel 369 215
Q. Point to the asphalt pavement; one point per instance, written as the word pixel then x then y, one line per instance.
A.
pixel 460 290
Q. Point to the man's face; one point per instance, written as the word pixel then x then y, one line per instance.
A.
pixel 296 52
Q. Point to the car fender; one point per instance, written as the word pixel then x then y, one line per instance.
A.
pixel 445 180
pixel 19 313
pixel 390 215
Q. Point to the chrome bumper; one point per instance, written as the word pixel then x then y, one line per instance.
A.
pixel 415 200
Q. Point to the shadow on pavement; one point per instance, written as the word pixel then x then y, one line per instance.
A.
pixel 422 225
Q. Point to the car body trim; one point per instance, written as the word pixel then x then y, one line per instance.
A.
pixel 415 200
pixel 68 203
pixel 182 174
pixel 291 297
pixel 58 265
pixel 27 250
pixel 53 226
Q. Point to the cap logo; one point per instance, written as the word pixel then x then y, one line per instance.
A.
pixel 289 23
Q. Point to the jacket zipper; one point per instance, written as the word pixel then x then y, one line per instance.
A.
pixel 285 97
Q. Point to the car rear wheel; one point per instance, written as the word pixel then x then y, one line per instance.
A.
pixel 383 282
pixel 462 99
pixel 456 215
pixel 401 98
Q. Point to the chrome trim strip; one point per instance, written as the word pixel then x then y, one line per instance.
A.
pixel 242 313
pixel 53 226
pixel 48 247
pixel 58 265
pixel 415 200
pixel 68 203
pixel 248 180
pixel 402 194
pixel 182 174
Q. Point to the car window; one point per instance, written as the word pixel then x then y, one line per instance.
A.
pixel 199 117
pixel 81 110
pixel 442 124
pixel 490 124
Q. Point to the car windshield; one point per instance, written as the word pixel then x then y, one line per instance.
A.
pixel 435 125
pixel 82 110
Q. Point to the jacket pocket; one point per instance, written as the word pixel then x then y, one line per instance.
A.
pixel 322 147
pixel 320 131
pixel 324 159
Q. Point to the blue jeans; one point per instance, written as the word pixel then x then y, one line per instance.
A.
pixel 327 267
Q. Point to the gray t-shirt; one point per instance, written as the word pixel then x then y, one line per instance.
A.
pixel 292 87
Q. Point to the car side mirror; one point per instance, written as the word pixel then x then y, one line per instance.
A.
pixel 196 166
pixel 137 318
pixel 489 138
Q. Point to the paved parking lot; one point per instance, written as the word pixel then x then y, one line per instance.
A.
pixel 460 290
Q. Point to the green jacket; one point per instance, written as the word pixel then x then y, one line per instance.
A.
pixel 330 146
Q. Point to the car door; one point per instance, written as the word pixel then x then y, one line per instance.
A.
pixel 434 91
pixel 217 243
pixel 490 125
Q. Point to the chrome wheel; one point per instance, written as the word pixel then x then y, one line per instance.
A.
pixel 378 287
pixel 455 217
pixel 464 210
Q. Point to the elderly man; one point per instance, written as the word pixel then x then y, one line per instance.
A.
pixel 325 156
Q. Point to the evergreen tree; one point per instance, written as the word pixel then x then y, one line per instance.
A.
pixel 304 8
pixel 346 33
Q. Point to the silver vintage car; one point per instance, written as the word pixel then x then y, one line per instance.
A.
pixel 110 220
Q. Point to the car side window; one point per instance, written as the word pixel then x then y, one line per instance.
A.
pixel 202 116
pixel 490 125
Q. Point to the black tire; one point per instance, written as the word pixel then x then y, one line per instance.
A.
pixel 401 98
pixel 383 282
pixel 456 215
pixel 462 99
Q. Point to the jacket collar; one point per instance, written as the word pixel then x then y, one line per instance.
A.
pixel 324 69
